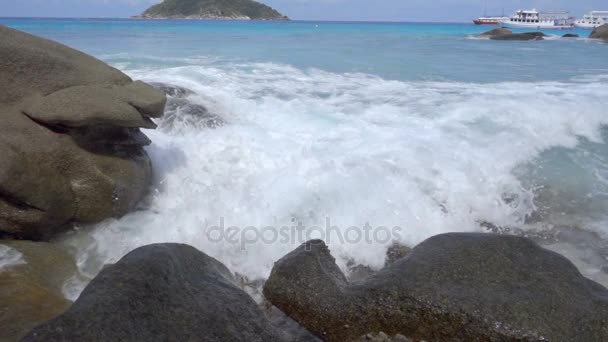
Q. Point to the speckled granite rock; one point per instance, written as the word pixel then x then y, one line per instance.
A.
pixel 163 292
pixel 465 287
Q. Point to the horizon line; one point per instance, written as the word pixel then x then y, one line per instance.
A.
pixel 251 20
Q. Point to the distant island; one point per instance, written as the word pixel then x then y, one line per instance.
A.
pixel 211 10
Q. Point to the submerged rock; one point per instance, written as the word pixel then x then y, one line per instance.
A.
pixel 450 287
pixel 181 113
pixel 163 292
pixel 520 36
pixel 31 286
pixel 496 32
pixel 600 32
pixel 570 35
pixel 70 144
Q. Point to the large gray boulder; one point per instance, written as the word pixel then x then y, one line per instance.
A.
pixel 465 287
pixel 600 32
pixel 70 145
pixel 164 292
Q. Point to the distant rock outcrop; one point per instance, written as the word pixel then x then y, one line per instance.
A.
pixel 600 33
pixel 164 292
pixel 70 145
pixel 496 32
pixel 212 10
pixel 520 36
pixel 452 287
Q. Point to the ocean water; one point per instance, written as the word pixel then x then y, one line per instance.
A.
pixel 359 133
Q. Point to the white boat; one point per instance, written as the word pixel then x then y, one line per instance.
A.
pixel 539 20
pixel 592 20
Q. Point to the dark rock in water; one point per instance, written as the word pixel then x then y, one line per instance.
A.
pixel 570 35
pixel 181 112
pixel 172 90
pixel 520 36
pixel 496 32
pixel 480 287
pixel 164 292
pixel 31 287
pixel 70 144
pixel 600 32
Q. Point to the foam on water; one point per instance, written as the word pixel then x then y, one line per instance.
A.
pixel 306 145
pixel 10 257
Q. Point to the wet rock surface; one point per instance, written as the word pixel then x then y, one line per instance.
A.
pixel 181 112
pixel 31 286
pixel 450 287
pixel 70 144
pixel 164 292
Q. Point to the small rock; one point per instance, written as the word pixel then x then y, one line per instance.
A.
pixel 395 252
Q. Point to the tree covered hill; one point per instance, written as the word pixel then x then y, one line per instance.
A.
pixel 212 9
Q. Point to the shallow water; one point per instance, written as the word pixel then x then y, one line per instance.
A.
pixel 418 127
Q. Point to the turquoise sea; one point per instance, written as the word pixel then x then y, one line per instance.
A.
pixel 416 125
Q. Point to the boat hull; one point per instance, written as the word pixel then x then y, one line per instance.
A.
pixel 536 26
pixel 480 22
pixel 588 26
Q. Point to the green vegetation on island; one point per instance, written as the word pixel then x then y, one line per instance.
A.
pixel 212 9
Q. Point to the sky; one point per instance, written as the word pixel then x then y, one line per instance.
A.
pixel 357 10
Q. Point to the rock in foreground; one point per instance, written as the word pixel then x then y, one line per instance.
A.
pixel 451 287
pixel 600 33
pixel 164 292
pixel 70 145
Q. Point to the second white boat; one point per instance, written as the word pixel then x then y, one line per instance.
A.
pixel 592 20
pixel 536 20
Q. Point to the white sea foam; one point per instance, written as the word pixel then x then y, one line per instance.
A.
pixel 303 146
pixel 10 257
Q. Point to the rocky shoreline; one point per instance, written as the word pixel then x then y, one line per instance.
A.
pixel 72 152
pixel 456 287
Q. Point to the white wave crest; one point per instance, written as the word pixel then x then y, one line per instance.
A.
pixel 306 145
